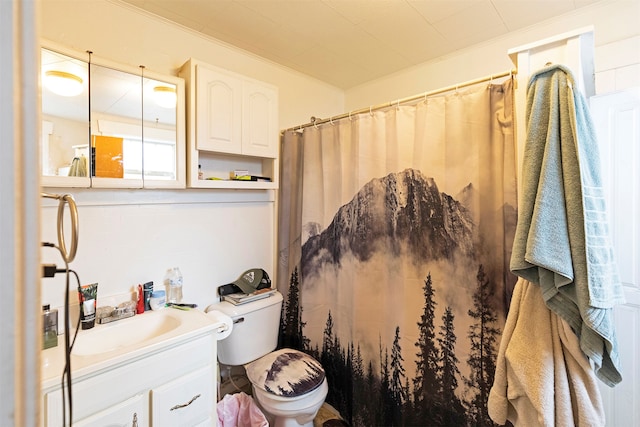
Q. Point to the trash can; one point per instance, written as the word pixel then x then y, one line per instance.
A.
pixel 239 410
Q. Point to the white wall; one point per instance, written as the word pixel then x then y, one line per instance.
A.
pixel 129 237
pixel 617 62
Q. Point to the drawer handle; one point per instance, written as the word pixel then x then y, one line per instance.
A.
pixel 184 405
pixel 238 320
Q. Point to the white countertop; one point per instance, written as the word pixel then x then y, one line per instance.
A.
pixel 123 341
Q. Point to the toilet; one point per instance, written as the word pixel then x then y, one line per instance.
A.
pixel 288 385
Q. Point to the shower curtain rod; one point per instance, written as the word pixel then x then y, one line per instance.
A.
pixel 315 122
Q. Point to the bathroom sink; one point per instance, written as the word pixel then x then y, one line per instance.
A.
pixel 108 345
pixel 121 334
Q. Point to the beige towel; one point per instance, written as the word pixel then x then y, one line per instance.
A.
pixel 542 377
pixel 78 166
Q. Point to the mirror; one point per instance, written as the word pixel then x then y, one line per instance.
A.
pixel 127 127
pixel 116 127
pixel 65 115
pixel 159 130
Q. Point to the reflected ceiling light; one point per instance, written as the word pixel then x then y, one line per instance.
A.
pixel 165 96
pixel 63 83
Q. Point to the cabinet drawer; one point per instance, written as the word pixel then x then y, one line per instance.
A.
pixel 132 412
pixel 185 401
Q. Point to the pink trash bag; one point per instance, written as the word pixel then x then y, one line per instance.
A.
pixel 239 410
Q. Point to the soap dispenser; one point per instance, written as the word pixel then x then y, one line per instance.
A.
pixel 50 326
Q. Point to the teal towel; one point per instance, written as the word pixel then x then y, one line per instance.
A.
pixel 562 240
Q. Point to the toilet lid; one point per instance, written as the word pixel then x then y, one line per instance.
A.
pixel 286 372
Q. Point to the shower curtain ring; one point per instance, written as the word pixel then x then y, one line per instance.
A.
pixel 331 121
pixel 398 105
pixel 370 111
pixel 349 115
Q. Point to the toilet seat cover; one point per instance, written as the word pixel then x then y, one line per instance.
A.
pixel 286 372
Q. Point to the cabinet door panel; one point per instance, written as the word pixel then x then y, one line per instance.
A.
pixel 219 110
pixel 259 133
pixel 130 412
pixel 185 401
pixel 65 121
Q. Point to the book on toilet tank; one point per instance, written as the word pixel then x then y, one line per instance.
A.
pixel 242 298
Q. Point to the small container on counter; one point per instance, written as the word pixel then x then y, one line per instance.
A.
pixel 88 298
pixel 158 300
pixel 50 326
pixel 147 289
pixel 140 303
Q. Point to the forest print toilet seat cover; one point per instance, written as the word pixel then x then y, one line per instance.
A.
pixel 286 372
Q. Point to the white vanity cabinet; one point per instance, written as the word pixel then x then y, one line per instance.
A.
pixel 171 382
pixel 232 124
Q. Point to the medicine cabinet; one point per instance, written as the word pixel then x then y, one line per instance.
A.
pixel 107 125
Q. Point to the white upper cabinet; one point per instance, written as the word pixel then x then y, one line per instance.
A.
pixel 232 125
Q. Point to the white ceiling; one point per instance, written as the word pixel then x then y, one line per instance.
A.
pixel 349 42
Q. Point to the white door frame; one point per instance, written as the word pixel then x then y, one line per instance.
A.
pixel 19 214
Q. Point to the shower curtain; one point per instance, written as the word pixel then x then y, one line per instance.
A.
pixel 395 232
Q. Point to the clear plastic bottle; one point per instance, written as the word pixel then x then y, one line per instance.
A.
pixel 173 284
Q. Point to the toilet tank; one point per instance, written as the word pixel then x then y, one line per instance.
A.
pixel 255 330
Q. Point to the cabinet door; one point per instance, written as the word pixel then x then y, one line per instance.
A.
pixel 188 400
pixel 65 121
pixel 219 111
pixel 130 413
pixel 259 120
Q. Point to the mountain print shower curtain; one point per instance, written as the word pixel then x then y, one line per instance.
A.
pixel 395 233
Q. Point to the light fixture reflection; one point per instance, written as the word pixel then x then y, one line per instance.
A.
pixel 63 83
pixel 165 96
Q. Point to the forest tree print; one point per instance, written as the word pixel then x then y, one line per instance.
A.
pixel 416 348
pixel 368 398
